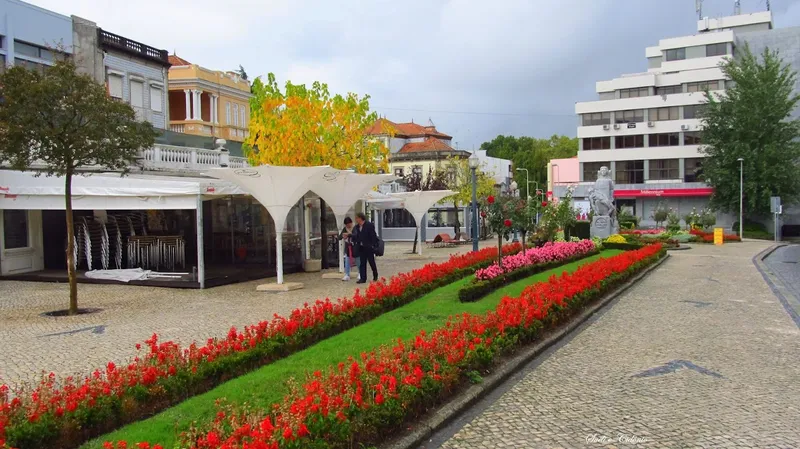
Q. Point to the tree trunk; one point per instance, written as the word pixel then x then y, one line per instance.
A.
pixel 71 274
pixel 414 249
pixel 499 249
pixel 523 240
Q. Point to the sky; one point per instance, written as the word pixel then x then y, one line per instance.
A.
pixel 475 68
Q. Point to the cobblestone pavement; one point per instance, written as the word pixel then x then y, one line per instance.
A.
pixel 698 354
pixel 32 344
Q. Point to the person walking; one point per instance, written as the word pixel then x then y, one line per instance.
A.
pixel 366 239
pixel 350 250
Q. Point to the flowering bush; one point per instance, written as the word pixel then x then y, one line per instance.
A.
pixel 66 412
pixel 643 231
pixel 357 402
pixel 708 237
pixel 616 238
pixel 550 252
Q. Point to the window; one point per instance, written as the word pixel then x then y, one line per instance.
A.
pixel 15 228
pixel 702 86
pixel 590 170
pixel 241 117
pixel 398 172
pixel 115 86
pixel 445 218
pixel 597 118
pixel 634 93
pixel 630 172
pixel 235 114
pixel 155 99
pixel 227 112
pixel 30 65
pixel 665 140
pixel 693 169
pixel 634 115
pixel 33 51
pixel 693 111
pixel 661 114
pixel 676 54
pixel 417 170
pixel 629 141
pixel 691 138
pixel 664 169
pixel 137 94
pixel 597 143
pixel 669 90
pixel 717 49
pixel 398 218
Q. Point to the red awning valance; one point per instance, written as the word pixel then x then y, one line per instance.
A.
pixel 703 191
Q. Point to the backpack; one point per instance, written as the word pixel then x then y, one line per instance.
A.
pixel 379 247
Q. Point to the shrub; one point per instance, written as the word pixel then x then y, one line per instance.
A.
pixel 581 229
pixel 616 238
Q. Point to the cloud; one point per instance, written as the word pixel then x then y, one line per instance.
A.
pixel 476 68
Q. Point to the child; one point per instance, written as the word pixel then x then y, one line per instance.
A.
pixel 350 251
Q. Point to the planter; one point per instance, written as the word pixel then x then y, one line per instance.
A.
pixel 312 265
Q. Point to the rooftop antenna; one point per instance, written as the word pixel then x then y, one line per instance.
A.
pixel 737 7
pixel 698 6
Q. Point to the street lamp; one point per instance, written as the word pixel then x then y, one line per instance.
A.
pixel 527 181
pixel 741 196
pixel 553 176
pixel 513 191
pixel 473 167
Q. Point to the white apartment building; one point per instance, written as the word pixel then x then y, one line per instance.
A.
pixel 644 126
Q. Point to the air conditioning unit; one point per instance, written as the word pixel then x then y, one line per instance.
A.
pixel 651 124
pixel 606 127
pixel 616 126
pixel 684 127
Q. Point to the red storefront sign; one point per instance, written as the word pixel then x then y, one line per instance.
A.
pixel 703 191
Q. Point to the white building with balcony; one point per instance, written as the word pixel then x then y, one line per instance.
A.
pixel 644 126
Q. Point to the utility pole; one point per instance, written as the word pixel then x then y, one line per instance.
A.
pixel 698 6
pixel 737 7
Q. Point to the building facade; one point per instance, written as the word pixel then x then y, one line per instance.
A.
pixel 208 103
pixel 645 126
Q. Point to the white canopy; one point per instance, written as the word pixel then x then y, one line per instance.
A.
pixel 417 204
pixel 107 191
pixel 383 201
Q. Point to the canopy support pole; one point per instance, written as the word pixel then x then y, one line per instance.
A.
pixel 279 254
pixel 201 263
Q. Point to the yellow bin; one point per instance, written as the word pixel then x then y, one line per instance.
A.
pixel 718 239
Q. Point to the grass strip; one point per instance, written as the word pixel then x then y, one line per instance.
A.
pixel 267 385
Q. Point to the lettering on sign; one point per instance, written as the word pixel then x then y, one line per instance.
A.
pixel 631 125
pixel 652 192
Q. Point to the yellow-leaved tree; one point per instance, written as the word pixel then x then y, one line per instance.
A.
pixel 304 126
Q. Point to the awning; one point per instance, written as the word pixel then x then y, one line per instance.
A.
pixel 702 191
pixel 108 191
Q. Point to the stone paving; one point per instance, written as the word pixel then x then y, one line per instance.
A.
pixel 32 344
pixel 699 354
pixel 784 263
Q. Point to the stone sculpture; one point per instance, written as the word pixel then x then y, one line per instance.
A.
pixel 601 201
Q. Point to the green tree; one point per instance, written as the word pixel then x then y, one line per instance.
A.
pixel 752 120
pixel 533 154
pixel 64 121
pixel 459 180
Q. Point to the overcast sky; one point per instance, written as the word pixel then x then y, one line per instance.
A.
pixel 477 68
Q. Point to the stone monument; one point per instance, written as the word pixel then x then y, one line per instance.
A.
pixel 601 201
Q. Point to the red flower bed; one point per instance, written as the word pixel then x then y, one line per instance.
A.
pixel 359 401
pixel 167 373
pixel 642 231
pixel 708 237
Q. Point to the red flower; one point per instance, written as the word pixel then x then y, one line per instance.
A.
pixel 544 203
pixel 483 214
pixel 507 223
pixel 490 199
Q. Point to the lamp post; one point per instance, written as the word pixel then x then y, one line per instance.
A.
pixel 741 196
pixel 473 167
pixel 527 181
pixel 513 191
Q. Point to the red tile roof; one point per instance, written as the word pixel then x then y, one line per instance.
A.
pixel 406 130
pixel 177 60
pixel 429 144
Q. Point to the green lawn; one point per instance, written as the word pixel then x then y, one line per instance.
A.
pixel 266 385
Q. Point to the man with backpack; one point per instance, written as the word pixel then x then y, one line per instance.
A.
pixel 369 245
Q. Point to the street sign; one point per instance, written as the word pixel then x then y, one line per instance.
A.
pixel 775 204
pixel 718 236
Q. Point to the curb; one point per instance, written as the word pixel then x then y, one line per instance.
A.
pixel 775 284
pixel 454 407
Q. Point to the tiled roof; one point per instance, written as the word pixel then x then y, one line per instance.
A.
pixel 428 145
pixel 406 130
pixel 177 60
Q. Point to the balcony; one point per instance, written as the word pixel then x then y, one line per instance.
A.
pixel 131 47
pixel 194 127
pixel 168 157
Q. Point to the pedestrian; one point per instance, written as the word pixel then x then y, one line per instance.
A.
pixel 366 239
pixel 350 250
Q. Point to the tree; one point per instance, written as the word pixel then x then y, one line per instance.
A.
pixel 308 127
pixel 752 120
pixel 497 210
pixel 461 182
pixel 532 153
pixel 64 121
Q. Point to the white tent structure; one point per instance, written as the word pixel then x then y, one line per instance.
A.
pixel 341 189
pixel 382 201
pixel 278 189
pixel 417 204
